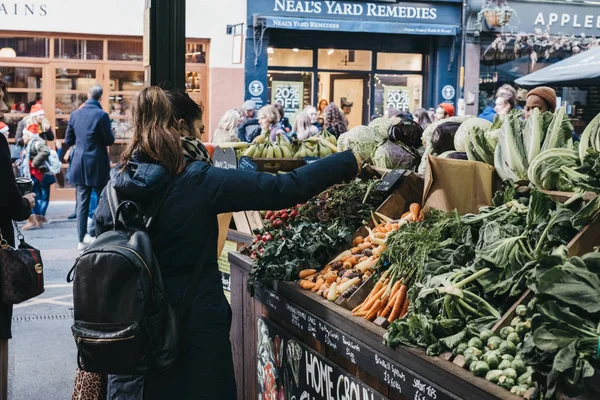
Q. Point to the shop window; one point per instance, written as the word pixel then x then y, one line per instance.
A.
pixel 22 77
pixel 400 61
pixel 126 80
pixel 195 53
pixel 60 126
pixel 193 81
pixel 77 49
pixel 12 121
pixel 120 104
pixel 125 50
pixel 21 102
pixel 75 79
pixel 344 59
pixel 292 89
pixel 24 47
pixel 67 103
pixel 290 58
pixel 402 92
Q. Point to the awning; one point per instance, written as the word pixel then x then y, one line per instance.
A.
pixel 344 25
pixel 580 70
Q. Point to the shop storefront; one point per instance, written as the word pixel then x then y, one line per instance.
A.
pixel 373 55
pixel 511 40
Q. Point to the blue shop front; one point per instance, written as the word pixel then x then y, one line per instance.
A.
pixel 373 55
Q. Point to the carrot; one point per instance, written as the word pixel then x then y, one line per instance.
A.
pixel 306 272
pixel 395 288
pixel 354 250
pixel 356 308
pixel 360 313
pixel 376 296
pixel 421 216
pixel 358 240
pixel 307 284
pixel 390 305
pixel 346 258
pixel 347 265
pixel 404 308
pixel 388 227
pixel 354 260
pixel 318 285
pixel 395 227
pixel 380 235
pixel 397 304
pixel 373 312
pixel 414 211
pixel 364 246
pixel 406 214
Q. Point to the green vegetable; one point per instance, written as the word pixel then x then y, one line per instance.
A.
pixel 469 359
pixel 515 322
pixel 510 158
pixel 491 359
pixel 473 366
pixel 474 351
pixel 510 373
pixel 514 337
pixel 521 310
pixel 465 129
pixel 523 328
pixel 504 364
pixel 480 145
pixel 524 377
pixel 507 383
pixel 535 131
pixel 362 140
pixel 494 343
pixel 508 357
pixel 559 132
pixel 545 169
pixel 476 342
pixel 395 155
pixel 493 375
pixel 507 330
pixel 519 390
pixel 460 349
pixel 508 348
pixel 485 335
pixel 381 127
pixel 481 368
pixel 518 366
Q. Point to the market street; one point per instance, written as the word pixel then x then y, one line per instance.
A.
pixel 42 352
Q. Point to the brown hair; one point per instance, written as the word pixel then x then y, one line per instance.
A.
pixel 334 119
pixel 271 113
pixel 155 132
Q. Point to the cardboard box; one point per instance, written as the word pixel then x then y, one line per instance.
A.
pixel 459 185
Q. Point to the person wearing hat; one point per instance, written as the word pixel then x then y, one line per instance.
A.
pixel 34 166
pixel 346 110
pixel 249 128
pixel 249 106
pixel 443 111
pixel 36 116
pixel 543 98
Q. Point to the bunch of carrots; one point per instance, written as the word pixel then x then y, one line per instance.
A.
pixel 385 300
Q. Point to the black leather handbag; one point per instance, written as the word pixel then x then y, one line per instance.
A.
pixel 21 271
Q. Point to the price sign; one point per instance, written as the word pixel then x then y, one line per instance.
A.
pixel 290 95
pixel 224 158
pixel 397 97
pixel 245 163
pixel 390 180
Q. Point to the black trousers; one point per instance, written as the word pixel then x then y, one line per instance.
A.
pixel 84 193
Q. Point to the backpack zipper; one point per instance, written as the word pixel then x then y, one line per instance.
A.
pixel 143 262
pixel 80 339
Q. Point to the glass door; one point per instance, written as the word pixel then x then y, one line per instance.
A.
pixel 350 91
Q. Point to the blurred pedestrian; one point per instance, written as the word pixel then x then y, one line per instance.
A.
pixel 504 104
pixel 346 110
pixel 249 128
pixel 227 130
pixel 314 117
pixel 249 110
pixel 303 128
pixel 283 120
pixel 444 110
pixel 505 90
pixel 34 166
pixel 270 122
pixel 422 117
pixel 334 120
pixel 89 131
pixel 543 98
pixel 321 110
pixel 36 116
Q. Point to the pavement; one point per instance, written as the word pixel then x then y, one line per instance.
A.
pixel 42 353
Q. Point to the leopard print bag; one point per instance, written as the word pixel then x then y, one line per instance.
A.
pixel 89 386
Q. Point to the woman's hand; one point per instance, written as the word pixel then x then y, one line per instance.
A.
pixel 30 197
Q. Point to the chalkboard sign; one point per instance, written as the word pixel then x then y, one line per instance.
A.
pixel 309 160
pixel 245 163
pixel 224 158
pixel 390 180
pixel 395 375
pixel 287 369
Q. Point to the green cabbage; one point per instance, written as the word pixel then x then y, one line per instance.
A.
pixel 428 133
pixel 510 158
pixel 479 147
pixel 381 126
pixel 559 132
pixel 535 131
pixel 590 138
pixel 545 169
pixel 362 140
pixel 463 132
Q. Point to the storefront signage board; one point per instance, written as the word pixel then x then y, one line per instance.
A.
pixel 290 95
pixel 403 380
pixel 557 18
pixel 225 268
pixel 398 97
pixel 287 369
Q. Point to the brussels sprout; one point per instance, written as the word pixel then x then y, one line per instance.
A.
pixel 494 343
pixel 474 351
pixel 523 328
pixel 515 321
pixel 470 359
pixel 493 375
pixel 460 349
pixel 508 357
pixel 485 335
pixel 510 373
pixel 504 364
pixel 519 390
pixel 518 366
pixel 507 330
pixel 521 310
pixel 491 359
pixel 522 379
pixel 508 348
pixel 507 383
pixel 481 368
pixel 472 366
pixel 514 337
pixel 476 342
pixel 531 304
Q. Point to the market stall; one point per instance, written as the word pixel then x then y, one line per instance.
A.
pixel 477 280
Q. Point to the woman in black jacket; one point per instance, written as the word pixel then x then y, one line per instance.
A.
pixel 185 230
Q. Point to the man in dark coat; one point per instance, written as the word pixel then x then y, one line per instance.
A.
pixel 90 132
pixel 13 206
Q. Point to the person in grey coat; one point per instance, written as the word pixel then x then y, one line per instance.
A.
pixel 90 132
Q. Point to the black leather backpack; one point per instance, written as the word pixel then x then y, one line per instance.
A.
pixel 124 323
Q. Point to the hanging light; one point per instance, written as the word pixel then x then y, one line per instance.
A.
pixel 270 50
pixel 295 50
pixel 8 52
pixel 330 52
